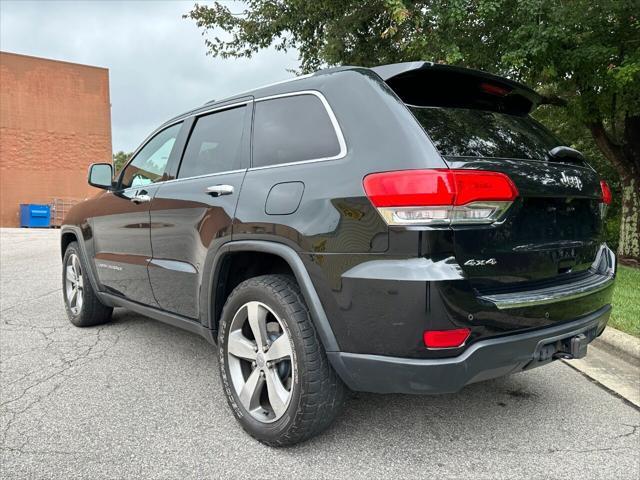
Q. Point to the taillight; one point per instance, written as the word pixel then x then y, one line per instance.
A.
pixel 606 192
pixel 440 197
pixel 446 338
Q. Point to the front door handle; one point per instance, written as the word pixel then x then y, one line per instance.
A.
pixel 140 198
pixel 219 190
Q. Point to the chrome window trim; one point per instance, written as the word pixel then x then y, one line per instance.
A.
pixel 219 107
pixel 182 119
pixel 332 118
pixel 174 180
pixel 175 122
pixel 206 175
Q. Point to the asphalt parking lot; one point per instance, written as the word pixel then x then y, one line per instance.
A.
pixel 137 398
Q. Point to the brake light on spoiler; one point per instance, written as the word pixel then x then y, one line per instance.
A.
pixel 606 192
pixel 440 197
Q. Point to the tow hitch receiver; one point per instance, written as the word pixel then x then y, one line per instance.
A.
pixel 566 348
pixel 572 348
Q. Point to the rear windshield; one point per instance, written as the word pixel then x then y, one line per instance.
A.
pixel 461 132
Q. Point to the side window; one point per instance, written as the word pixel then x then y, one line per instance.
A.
pixel 215 144
pixel 149 164
pixel 292 129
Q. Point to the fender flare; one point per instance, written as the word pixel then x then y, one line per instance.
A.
pixel 288 254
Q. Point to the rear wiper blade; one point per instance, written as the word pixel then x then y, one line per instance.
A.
pixel 565 152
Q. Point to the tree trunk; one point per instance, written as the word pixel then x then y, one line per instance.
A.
pixel 629 245
pixel 625 158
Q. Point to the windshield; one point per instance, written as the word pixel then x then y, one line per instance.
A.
pixel 461 132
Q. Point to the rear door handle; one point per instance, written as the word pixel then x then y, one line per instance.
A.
pixel 219 190
pixel 140 198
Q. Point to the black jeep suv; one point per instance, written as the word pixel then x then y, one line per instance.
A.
pixel 406 228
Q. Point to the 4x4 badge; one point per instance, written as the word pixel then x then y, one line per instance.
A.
pixel 480 263
pixel 571 180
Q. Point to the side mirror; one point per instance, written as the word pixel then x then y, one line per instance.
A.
pixel 101 175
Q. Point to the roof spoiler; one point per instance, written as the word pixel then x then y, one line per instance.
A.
pixel 431 84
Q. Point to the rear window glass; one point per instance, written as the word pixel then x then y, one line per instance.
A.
pixel 460 132
pixel 292 129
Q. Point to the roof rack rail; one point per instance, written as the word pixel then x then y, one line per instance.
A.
pixel 300 77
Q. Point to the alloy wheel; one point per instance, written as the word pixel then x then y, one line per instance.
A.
pixel 260 359
pixel 74 284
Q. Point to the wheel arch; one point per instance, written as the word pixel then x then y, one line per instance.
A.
pixel 70 234
pixel 286 258
pixel 66 237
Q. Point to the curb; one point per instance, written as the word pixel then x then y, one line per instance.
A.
pixel 620 344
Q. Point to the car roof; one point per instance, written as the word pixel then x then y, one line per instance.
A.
pixel 388 73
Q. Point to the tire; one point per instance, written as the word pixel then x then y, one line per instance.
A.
pixel 315 394
pixel 89 311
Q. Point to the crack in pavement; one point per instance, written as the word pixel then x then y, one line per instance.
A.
pixel 32 299
pixel 634 430
pixel 82 358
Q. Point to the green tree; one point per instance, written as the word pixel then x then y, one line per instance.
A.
pixel 119 160
pixel 582 55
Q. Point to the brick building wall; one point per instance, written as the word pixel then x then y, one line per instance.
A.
pixel 55 120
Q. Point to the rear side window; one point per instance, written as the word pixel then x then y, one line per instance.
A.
pixel 215 144
pixel 292 129
pixel 460 132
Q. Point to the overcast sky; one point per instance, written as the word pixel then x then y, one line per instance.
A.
pixel 157 60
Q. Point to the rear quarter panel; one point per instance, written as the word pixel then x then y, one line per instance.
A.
pixel 335 227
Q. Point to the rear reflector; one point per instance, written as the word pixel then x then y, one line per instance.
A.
pixel 428 197
pixel 446 338
pixel 606 192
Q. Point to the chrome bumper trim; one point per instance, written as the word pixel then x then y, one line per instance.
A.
pixel 603 275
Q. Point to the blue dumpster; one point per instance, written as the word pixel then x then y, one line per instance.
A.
pixel 35 216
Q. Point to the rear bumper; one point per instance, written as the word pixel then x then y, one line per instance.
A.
pixel 483 360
